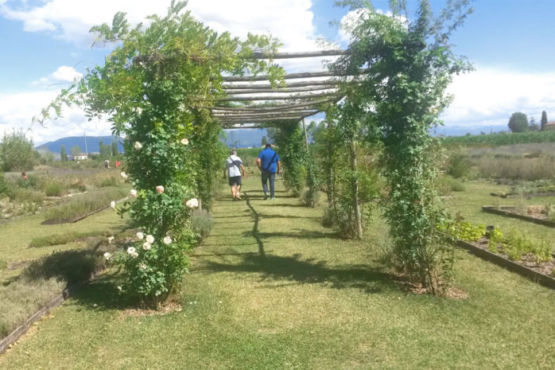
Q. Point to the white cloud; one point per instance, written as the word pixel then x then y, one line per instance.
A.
pixel 488 96
pixel 62 75
pixel 18 109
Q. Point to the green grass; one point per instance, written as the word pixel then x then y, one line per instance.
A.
pixel 314 301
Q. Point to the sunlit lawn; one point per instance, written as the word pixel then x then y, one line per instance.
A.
pixel 314 301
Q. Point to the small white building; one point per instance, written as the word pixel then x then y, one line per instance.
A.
pixel 80 157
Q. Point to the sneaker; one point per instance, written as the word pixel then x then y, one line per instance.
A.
pixel 265 196
pixel 273 198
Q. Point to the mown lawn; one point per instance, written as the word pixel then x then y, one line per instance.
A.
pixel 272 288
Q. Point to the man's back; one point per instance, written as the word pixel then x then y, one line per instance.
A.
pixel 268 158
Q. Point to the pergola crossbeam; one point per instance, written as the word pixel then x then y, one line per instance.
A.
pixel 280 90
pixel 302 54
pixel 288 85
pixel 274 97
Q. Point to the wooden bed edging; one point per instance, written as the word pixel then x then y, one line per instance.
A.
pixel 495 210
pixel 508 264
pixel 7 341
pixel 57 300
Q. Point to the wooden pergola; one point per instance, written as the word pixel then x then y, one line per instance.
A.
pixel 301 96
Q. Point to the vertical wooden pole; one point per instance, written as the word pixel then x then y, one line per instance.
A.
pixel 356 205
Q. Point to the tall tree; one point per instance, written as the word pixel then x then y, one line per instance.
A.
pixel 75 150
pixel 17 152
pixel 544 120
pixel 63 154
pixel 518 122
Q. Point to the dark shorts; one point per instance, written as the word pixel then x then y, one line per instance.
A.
pixel 235 180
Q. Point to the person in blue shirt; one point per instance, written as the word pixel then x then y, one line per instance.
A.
pixel 268 164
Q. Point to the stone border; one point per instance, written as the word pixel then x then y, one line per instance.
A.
pixel 500 211
pixel 499 260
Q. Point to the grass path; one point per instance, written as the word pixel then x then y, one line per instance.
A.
pixel 271 288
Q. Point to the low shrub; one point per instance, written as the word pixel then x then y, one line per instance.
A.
pixel 447 184
pixel 109 181
pixel 83 204
pixel 458 165
pixel 53 189
pixel 202 222
pixel 59 239
pixel 23 195
pixel 517 168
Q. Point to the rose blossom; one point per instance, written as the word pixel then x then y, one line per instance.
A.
pixel 124 175
pixel 107 255
pixel 146 246
pixel 184 141
pixel 133 193
pixel 150 239
pixel 132 252
pixel 113 204
pixel 192 203
pixel 142 266
pixel 159 189
pixel 110 239
pixel 138 145
pixel 140 235
pixel 167 240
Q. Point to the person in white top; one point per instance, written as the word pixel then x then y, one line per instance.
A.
pixel 235 169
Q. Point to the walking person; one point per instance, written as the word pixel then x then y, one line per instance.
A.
pixel 268 164
pixel 235 169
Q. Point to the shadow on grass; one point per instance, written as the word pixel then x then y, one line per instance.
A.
pixel 103 294
pixel 72 266
pixel 364 277
pixel 301 234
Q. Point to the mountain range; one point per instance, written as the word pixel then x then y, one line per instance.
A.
pixel 87 144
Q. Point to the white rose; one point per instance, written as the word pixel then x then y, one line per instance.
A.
pixel 184 141
pixel 140 235
pixel 167 240
pixel 142 266
pixel 133 193
pixel 110 239
pixel 124 175
pixel 131 250
pixel 107 255
pixel 138 145
pixel 159 189
pixel 146 246
pixel 139 111
pixel 192 203
pixel 113 204
pixel 150 239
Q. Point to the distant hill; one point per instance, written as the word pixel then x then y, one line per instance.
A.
pixel 71 141
pixel 245 138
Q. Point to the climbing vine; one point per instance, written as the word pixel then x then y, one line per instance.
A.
pixel 408 65
pixel 155 88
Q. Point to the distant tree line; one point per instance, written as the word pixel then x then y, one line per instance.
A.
pixel 519 122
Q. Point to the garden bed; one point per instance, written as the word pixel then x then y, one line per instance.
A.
pixel 511 211
pixel 541 272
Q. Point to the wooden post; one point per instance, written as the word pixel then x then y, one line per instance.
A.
pixel 356 205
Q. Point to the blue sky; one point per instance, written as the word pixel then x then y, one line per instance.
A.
pixel 45 45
